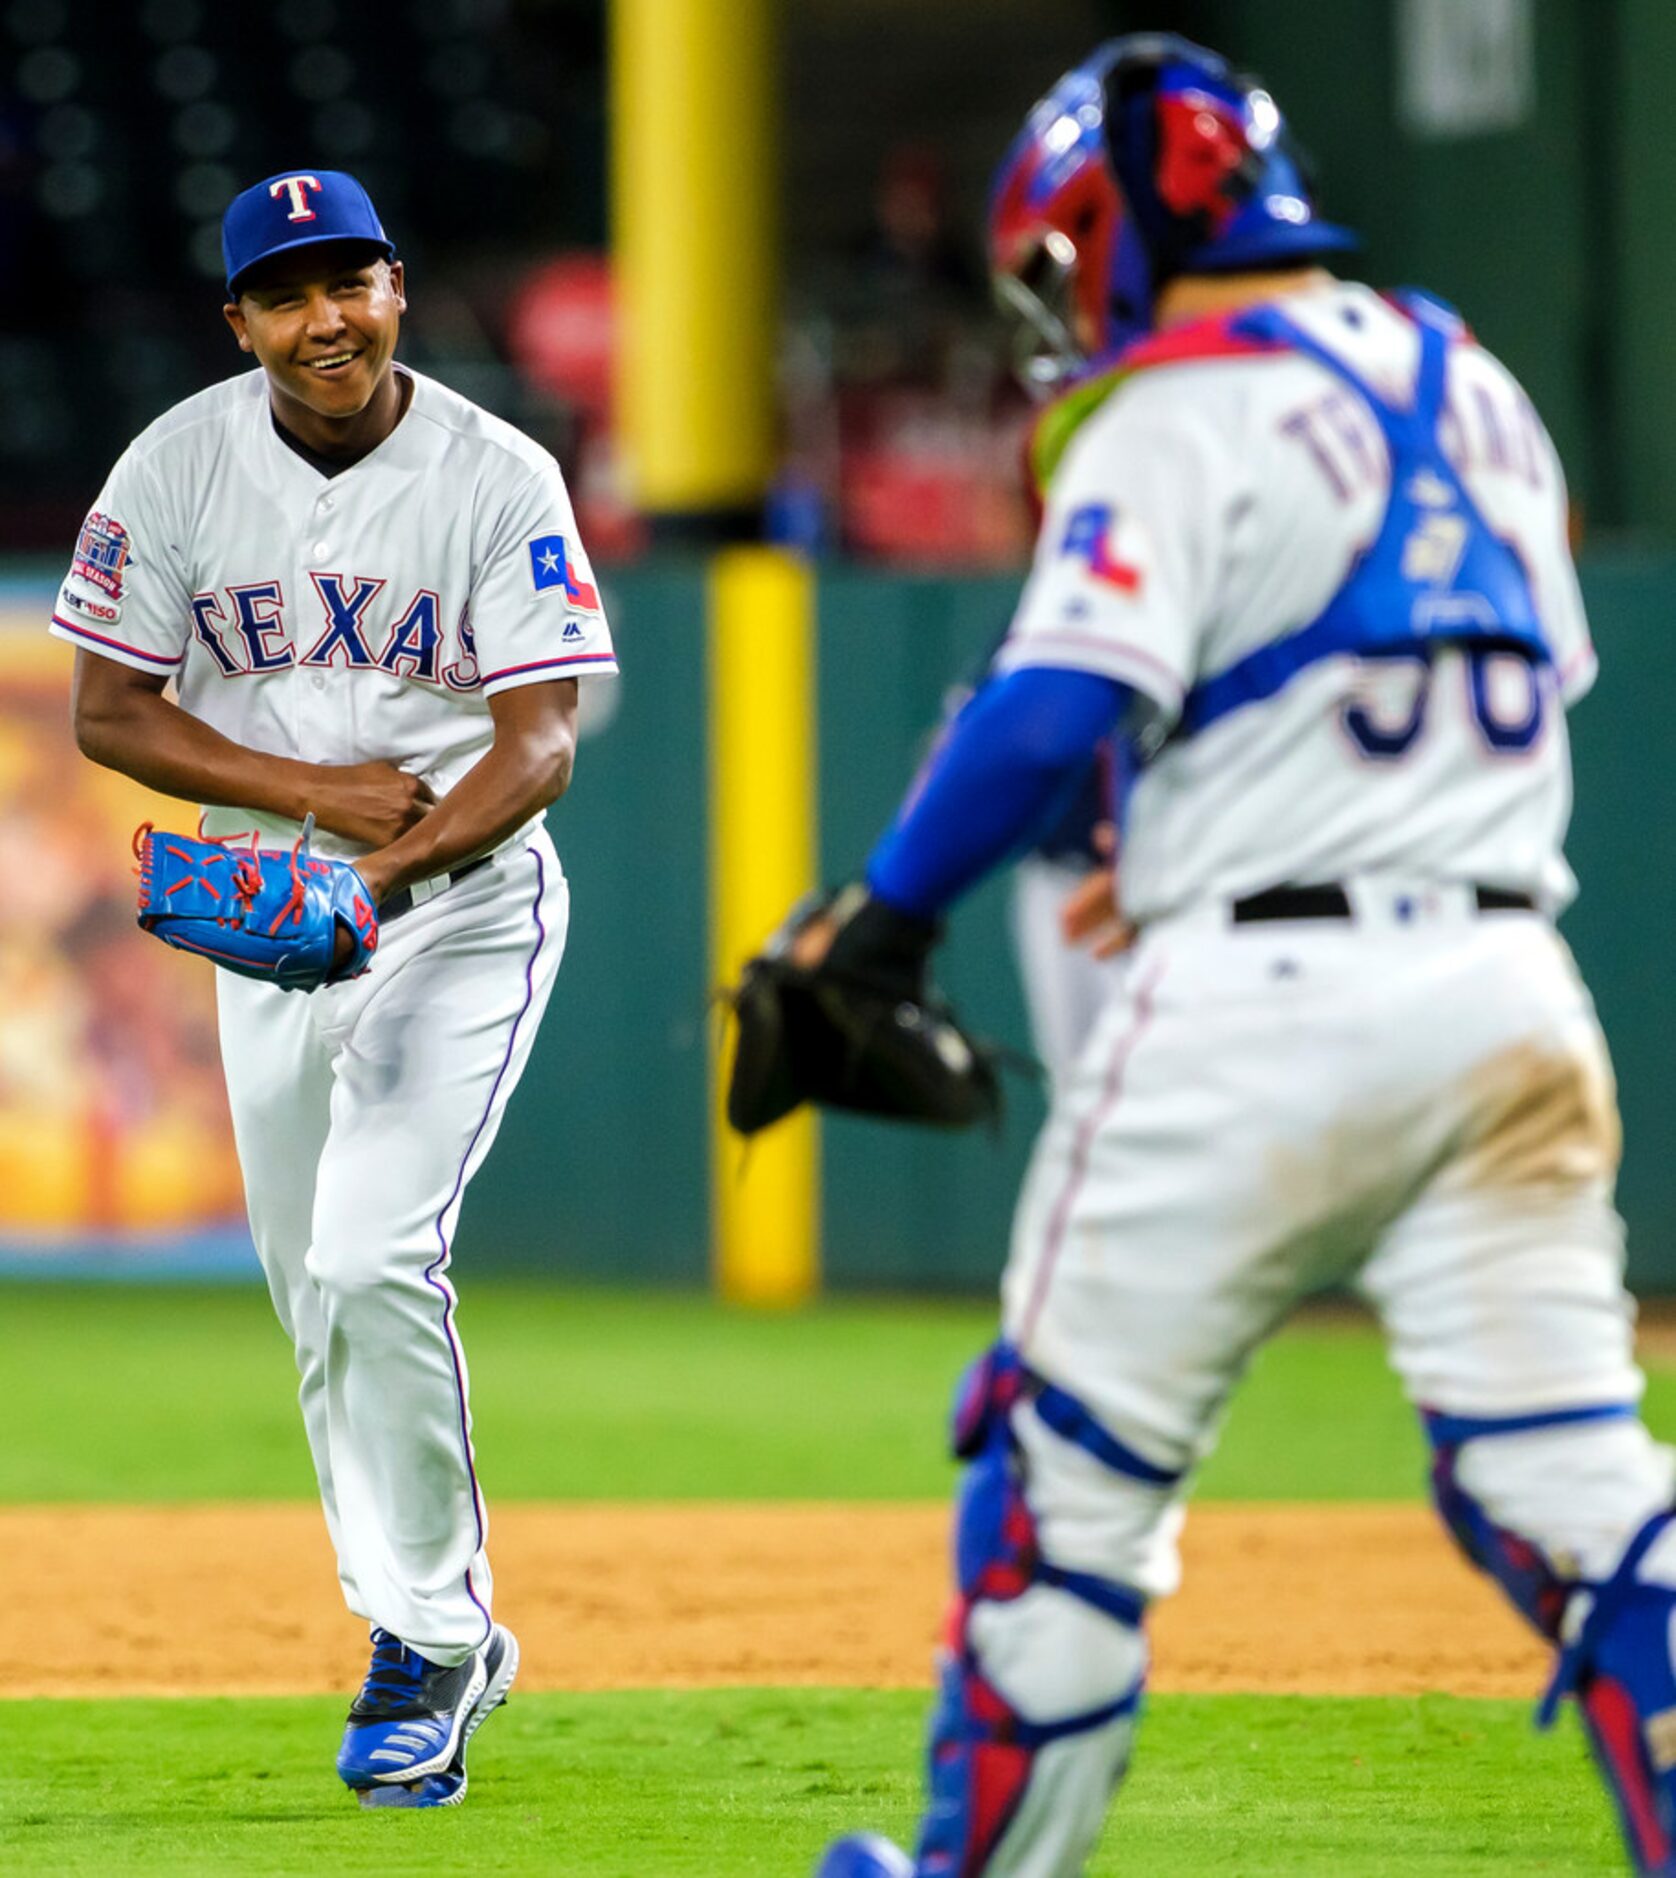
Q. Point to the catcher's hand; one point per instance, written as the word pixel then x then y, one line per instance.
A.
pixel 835 1010
pixel 1092 916
pixel 285 916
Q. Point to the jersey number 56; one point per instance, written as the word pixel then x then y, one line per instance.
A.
pixel 1506 698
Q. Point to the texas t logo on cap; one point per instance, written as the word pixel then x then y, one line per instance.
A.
pixel 293 186
pixel 296 209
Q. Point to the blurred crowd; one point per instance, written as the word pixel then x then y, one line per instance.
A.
pixel 479 129
pixel 902 433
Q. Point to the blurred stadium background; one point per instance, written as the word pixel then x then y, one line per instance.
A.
pixel 725 258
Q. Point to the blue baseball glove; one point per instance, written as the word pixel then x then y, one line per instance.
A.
pixel 261 912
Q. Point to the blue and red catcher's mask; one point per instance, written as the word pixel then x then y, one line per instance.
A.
pixel 1153 158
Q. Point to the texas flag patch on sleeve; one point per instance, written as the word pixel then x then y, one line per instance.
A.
pixel 552 564
pixel 1096 536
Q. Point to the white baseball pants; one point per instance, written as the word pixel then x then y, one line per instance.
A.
pixel 1065 987
pixel 361 1112
pixel 1418 1103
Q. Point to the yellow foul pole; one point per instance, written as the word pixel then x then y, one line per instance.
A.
pixel 694 171
pixel 694 178
pixel 765 1202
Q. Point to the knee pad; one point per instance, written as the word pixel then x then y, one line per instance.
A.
pixel 1522 1569
pixel 1043 1668
pixel 1546 1501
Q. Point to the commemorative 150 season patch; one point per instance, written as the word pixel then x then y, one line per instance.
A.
pixel 89 608
pixel 101 553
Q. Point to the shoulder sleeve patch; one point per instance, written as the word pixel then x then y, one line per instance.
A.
pixel 553 565
pixel 102 554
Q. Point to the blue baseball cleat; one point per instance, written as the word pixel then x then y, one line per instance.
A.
pixel 864 1855
pixel 405 1742
pixel 447 1789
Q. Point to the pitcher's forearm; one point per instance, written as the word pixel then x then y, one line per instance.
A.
pixel 155 742
pixel 507 786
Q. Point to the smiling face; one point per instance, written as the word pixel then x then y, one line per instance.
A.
pixel 323 323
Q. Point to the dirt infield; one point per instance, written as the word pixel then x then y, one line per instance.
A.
pixel 1337 1600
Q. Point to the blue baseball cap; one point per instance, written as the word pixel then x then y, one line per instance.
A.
pixel 296 209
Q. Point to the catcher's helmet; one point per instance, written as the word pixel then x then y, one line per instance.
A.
pixel 1151 159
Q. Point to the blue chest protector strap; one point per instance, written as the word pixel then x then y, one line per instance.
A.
pixel 1434 575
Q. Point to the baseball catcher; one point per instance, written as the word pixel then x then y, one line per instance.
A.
pixel 285 916
pixel 1296 574
pixel 856 1028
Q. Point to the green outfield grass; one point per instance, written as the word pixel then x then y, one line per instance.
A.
pixel 184 1394
pixel 163 1394
pixel 750 1784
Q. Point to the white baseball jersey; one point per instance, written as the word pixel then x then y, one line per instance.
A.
pixel 1237 492
pixel 1408 1093
pixel 370 614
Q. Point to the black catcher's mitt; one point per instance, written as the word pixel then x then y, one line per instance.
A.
pixel 859 1030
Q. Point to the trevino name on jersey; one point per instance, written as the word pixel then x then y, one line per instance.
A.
pixel 1214 505
pixel 337 619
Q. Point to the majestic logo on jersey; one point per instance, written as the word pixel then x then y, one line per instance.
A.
pixel 102 553
pixel 550 567
pixel 1091 536
pixel 294 186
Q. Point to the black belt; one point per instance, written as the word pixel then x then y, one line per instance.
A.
pixel 1332 902
pixel 401 901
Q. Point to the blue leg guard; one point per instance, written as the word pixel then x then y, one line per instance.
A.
pixel 983 1752
pixel 1617 1638
pixel 1538 1592
pixel 1619 1668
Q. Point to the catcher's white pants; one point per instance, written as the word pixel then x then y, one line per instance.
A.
pixel 1418 1103
pixel 1065 987
pixel 361 1111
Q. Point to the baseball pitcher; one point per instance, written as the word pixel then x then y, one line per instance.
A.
pixel 372 605
pixel 1305 551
